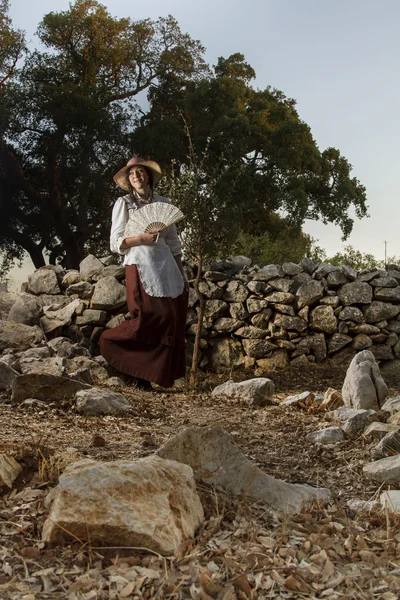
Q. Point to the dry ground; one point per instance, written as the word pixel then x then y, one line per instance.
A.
pixel 243 550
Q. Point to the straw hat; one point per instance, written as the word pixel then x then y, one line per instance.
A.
pixel 120 177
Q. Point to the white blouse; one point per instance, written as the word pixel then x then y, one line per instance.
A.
pixel 157 268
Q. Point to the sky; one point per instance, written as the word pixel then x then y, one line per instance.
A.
pixel 340 61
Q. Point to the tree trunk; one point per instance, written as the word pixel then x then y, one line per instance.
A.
pixel 200 317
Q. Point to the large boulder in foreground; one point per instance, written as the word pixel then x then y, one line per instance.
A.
pixel 151 503
pixel 364 387
pixel 48 388
pixel 216 461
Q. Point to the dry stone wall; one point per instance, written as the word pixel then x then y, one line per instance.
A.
pixel 260 318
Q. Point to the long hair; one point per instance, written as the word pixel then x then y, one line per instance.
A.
pixel 133 193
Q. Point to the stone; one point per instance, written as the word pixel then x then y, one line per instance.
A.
pixel 9 471
pixel 280 297
pixel 308 265
pixel 329 435
pixel 70 278
pixel 7 376
pixel 309 293
pixel 335 279
pixel 300 362
pixel 258 348
pixel 97 402
pixel 251 332
pixel 380 310
pixel 43 281
pixel 290 323
pixel 385 281
pixel 90 265
pixel 388 446
pixel 394 325
pixel 330 301
pixel 47 366
pixel 216 461
pixel 352 313
pixel 378 431
pixel 386 470
pixel 267 273
pixel 390 500
pixel 97 372
pixel 257 287
pixel 391 372
pixel 91 316
pixel 382 352
pixel 323 270
pixel 356 505
pixel 392 405
pixel 151 503
pixel 362 341
pixel 322 319
pixel 108 294
pixel 37 353
pixel 235 292
pixel 238 311
pixel 338 341
pixel 285 309
pixel 215 276
pixel 209 290
pixel 26 309
pixel 114 382
pixel 215 308
pixel 281 285
pixel 64 314
pixel 388 294
pixel 356 292
pixel 261 319
pixel 255 305
pixel 333 399
pixel 278 361
pixel 48 388
pixel 290 268
pixel 225 354
pixel 118 319
pixel 117 271
pixel 18 336
pixel 354 420
pixel 255 392
pixel 364 387
pixel 226 325
pixel 7 299
pixel 349 272
pixel 299 399
pixel 83 289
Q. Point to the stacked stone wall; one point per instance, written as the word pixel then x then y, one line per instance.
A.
pixel 260 318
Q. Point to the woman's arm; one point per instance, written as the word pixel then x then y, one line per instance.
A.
pixel 118 242
pixel 178 259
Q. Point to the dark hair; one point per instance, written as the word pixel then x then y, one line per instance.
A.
pixel 149 179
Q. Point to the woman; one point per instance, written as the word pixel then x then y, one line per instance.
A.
pixel 150 347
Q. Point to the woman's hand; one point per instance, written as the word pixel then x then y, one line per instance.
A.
pixel 149 237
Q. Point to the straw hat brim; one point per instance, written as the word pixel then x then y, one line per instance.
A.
pixel 120 177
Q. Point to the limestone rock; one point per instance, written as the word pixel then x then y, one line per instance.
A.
pixel 338 341
pixel 108 294
pixel 151 503
pixel 354 420
pixel 388 294
pixel 392 405
pixel 291 268
pixel 225 354
pixel 48 388
pixel 309 293
pixel 47 366
pixel 363 386
pixel 388 445
pixel 215 308
pixel 323 319
pixel 7 299
pixel 266 273
pixel 385 470
pixel 26 309
pixel 329 435
pixel 90 265
pixel 235 292
pixel 297 399
pixel 290 323
pixel 351 313
pixel 258 391
pixel 356 292
pixel 258 348
pixel 91 316
pixel 279 360
pixel 43 281
pixel 7 376
pixel 251 333
pixel 18 336
pixel 9 471
pixel 238 311
pixel 378 431
pixel 390 500
pixel 380 310
pixel 83 289
pixel 216 461
pixel 98 401
pixel 361 341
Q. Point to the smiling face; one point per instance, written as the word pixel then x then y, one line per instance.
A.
pixel 139 180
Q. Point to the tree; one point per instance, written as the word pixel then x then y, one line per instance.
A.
pixel 282 168
pixel 212 217
pixel 75 108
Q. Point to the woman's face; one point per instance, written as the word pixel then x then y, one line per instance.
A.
pixel 139 179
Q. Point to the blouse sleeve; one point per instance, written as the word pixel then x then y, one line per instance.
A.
pixel 173 241
pixel 119 219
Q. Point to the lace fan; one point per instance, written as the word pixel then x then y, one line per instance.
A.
pixel 157 215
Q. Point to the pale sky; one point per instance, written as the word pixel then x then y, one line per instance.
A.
pixel 338 59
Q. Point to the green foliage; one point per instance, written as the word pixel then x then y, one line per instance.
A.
pixel 289 245
pixel 360 260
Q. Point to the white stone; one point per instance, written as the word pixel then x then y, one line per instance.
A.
pixel 364 387
pixel 305 397
pixel 98 401
pixel 151 503
pixel 9 470
pixel 385 470
pixel 258 391
pixel 329 435
pixel 390 499
pixel 216 461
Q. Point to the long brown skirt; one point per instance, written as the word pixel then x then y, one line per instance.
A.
pixel 151 345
